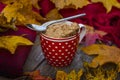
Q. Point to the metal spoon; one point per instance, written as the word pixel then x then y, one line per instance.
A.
pixel 44 26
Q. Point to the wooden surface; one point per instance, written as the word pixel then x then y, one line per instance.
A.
pixel 36 61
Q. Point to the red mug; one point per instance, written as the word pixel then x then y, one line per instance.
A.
pixel 59 52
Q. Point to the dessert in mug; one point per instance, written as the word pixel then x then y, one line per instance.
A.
pixel 62 30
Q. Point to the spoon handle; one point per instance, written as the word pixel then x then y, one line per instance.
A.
pixel 71 17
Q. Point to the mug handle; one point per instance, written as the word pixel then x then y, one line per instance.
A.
pixel 82 32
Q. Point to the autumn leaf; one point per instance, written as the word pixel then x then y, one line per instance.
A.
pixel 4 25
pixel 35 75
pixel 108 4
pixel 11 42
pixel 92 35
pixel 61 75
pixel 101 73
pixel 104 54
pixel 53 15
pixel 60 4
pixel 21 12
pixel 7 1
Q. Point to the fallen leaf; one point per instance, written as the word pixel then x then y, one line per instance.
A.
pixel 7 1
pixel 92 35
pixel 61 75
pixel 4 25
pixel 21 11
pixel 104 54
pixel 101 73
pixel 60 4
pixel 11 42
pixel 35 75
pixel 53 15
pixel 108 4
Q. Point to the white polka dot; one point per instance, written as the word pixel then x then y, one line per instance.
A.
pixel 59 43
pixel 62 60
pixel 66 56
pixel 66 50
pixel 50 53
pixel 59 63
pixel 60 50
pixel 65 62
pixel 46 41
pixel 51 59
pixel 69 45
pixel 56 47
pixel 53 56
pixel 71 54
pixel 53 50
pixel 72 48
pixel 44 50
pixel 56 53
pixel 72 41
pixel 66 43
pixel 44 44
pixel 53 43
pixel 49 45
pixel 63 47
pixel 47 48
pixel 56 60
pixel 62 54
pixel 59 57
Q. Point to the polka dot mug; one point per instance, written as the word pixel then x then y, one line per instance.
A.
pixel 59 52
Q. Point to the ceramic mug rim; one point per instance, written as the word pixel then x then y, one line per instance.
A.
pixel 66 38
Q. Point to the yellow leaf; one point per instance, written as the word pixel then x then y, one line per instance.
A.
pixel 80 73
pixel 104 54
pixel 60 4
pixel 61 75
pixel 108 4
pixel 7 1
pixel 11 42
pixel 21 12
pixel 72 75
pixel 4 25
pixel 53 15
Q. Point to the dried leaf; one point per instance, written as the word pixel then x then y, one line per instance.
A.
pixel 11 42
pixel 35 75
pixel 54 15
pixel 4 25
pixel 108 4
pixel 7 1
pixel 101 73
pixel 104 54
pixel 21 11
pixel 92 35
pixel 61 75
pixel 60 4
